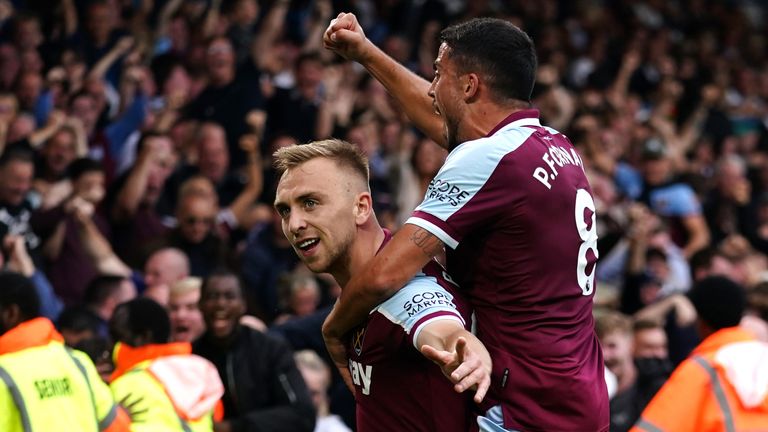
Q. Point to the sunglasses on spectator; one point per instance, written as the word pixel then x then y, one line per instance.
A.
pixel 192 220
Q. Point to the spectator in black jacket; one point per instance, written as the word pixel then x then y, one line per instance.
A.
pixel 264 391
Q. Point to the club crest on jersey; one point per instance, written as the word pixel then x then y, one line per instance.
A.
pixel 357 340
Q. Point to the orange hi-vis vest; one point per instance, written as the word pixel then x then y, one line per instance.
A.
pixel 722 386
pixel 45 386
pixel 168 387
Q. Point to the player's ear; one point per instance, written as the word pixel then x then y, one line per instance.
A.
pixel 363 207
pixel 470 83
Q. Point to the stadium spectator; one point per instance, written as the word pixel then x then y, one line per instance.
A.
pixel 165 386
pixel 238 211
pixel 163 268
pixel 69 266
pixel 104 294
pixel 45 384
pixel 718 386
pixel 231 99
pixel 649 339
pixel 134 205
pixel 317 375
pixel 55 155
pixel 656 187
pixel 15 257
pixel 295 110
pixel 727 208
pixel 78 324
pixel 416 168
pixel 263 389
pixel 196 236
pixel 184 310
pixel 299 297
pixel 639 373
pixel 213 162
pixel 16 173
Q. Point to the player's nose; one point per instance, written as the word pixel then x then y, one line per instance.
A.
pixel 296 223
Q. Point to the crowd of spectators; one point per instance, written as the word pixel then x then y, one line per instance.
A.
pixel 136 140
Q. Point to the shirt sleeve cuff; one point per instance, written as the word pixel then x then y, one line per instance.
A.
pixel 435 230
pixel 430 319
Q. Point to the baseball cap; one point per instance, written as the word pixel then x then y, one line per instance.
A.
pixel 654 148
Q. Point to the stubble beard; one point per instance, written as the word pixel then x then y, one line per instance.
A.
pixel 451 133
pixel 339 258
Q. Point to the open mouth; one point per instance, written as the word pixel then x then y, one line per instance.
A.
pixel 307 245
pixel 220 322
pixel 181 330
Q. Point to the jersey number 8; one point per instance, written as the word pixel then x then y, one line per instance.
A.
pixel 587 228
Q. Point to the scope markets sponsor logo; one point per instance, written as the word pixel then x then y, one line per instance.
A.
pixel 445 192
pixel 426 300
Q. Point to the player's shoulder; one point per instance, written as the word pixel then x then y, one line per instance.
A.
pixel 422 295
pixel 488 151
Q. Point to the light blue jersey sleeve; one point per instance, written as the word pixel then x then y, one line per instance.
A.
pixel 419 303
pixel 460 197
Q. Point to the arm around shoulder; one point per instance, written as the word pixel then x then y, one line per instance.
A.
pixel 410 249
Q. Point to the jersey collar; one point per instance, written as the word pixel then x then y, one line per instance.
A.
pixel 528 117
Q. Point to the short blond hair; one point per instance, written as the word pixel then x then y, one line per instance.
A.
pixel 342 152
pixel 612 322
pixel 310 361
pixel 185 286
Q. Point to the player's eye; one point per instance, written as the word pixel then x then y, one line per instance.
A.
pixel 283 212
pixel 310 203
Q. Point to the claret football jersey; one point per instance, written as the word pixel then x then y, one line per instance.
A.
pixel 516 213
pixel 396 387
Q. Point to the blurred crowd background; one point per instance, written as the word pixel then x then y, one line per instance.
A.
pixel 136 140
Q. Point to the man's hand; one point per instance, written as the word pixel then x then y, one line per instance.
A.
pixel 338 353
pixel 463 367
pixel 18 257
pixel 345 37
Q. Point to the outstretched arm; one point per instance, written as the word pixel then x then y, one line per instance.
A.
pixel 345 37
pixel 404 256
pixel 462 357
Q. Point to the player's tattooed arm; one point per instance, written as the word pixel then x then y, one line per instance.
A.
pixel 427 242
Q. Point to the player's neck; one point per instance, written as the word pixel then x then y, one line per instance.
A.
pixel 368 239
pixel 483 117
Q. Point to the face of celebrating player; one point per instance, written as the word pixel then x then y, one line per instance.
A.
pixel 317 203
pixel 445 94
